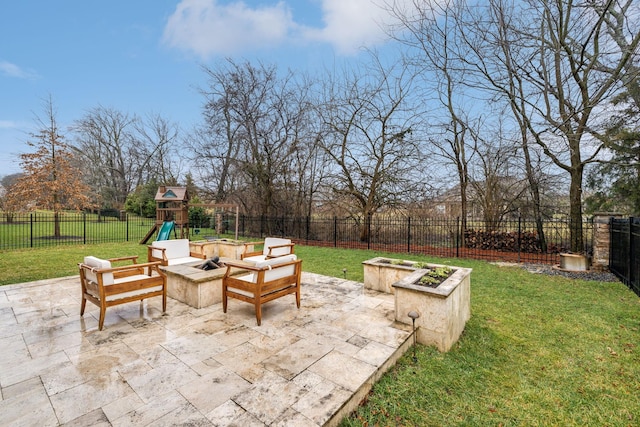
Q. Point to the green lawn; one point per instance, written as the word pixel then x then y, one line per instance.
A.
pixel 538 350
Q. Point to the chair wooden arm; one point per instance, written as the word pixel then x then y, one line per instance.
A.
pixel 150 256
pixel 198 255
pixel 286 245
pixel 239 264
pixel 133 258
pixel 246 254
pixel 126 270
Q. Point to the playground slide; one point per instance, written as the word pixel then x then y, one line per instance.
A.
pixel 165 230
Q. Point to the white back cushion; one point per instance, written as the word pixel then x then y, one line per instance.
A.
pixel 98 264
pixel 178 248
pixel 275 241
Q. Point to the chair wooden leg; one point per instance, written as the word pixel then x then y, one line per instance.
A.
pixel 224 300
pixel 258 306
pixel 101 321
pixel 83 305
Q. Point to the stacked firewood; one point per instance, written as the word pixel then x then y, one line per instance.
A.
pixel 506 241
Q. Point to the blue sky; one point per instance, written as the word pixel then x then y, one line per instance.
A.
pixel 145 56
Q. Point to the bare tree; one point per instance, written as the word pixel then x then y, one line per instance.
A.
pixel 368 137
pixel 432 33
pixel 570 48
pixel 495 178
pixel 256 132
pixel 556 64
pixel 158 152
pixel 123 152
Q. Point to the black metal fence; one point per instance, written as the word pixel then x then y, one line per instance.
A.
pixel 512 241
pixel 624 254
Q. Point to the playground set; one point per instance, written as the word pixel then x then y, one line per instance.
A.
pixel 172 214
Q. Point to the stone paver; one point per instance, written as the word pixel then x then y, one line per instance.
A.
pixel 306 367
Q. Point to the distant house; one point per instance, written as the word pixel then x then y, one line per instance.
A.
pixel 507 197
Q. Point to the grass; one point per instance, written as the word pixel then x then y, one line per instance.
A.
pixel 538 350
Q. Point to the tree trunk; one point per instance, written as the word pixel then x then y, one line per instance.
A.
pixel 575 211
pixel 534 189
pixel 365 228
pixel 56 224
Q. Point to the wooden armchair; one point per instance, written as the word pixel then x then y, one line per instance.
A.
pixel 272 247
pixel 106 286
pixel 267 280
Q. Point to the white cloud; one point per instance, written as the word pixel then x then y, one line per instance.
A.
pixel 208 28
pixel 8 124
pixel 351 24
pixel 13 70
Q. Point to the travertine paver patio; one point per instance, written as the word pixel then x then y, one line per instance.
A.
pixel 306 367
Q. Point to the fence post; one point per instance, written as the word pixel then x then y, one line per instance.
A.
pixel 519 241
pixel 630 253
pixel 126 218
pixel 31 229
pixel 262 220
pixel 457 237
pixel 84 227
pixel 308 224
pixel 408 235
pixel 335 231
pixel 369 217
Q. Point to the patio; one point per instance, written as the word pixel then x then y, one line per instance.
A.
pixel 306 367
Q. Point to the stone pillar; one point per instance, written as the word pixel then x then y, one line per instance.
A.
pixel 601 240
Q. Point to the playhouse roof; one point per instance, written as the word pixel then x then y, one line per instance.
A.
pixel 171 194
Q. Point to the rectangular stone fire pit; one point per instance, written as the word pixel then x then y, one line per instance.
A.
pixel 196 287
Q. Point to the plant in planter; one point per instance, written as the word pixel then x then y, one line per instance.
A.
pixel 434 276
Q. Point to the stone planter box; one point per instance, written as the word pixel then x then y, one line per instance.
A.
pixel 380 273
pixel 223 248
pixel 443 311
pixel 574 262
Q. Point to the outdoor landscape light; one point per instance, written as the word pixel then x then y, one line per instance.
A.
pixel 344 271
pixel 414 315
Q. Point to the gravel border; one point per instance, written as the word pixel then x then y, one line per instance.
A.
pixel 598 276
pixel 550 270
